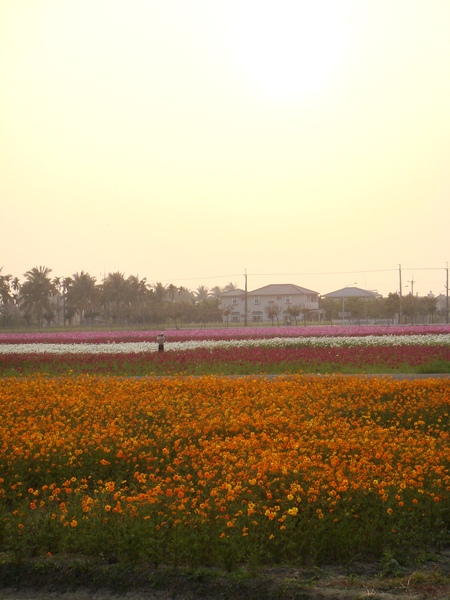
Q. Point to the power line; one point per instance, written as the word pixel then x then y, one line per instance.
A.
pixel 320 273
pixel 347 272
pixel 304 273
pixel 199 277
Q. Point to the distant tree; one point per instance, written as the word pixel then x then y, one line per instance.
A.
pixel 427 308
pixel 189 314
pixel 216 291
pixel 230 287
pixel 330 308
pixel 138 298
pixel 202 293
pixel 5 288
pixel 158 300
pixel 57 295
pixel 184 294
pixel 175 312
pixel 6 298
pixel 273 311
pixel 373 308
pixel 391 305
pixel 49 316
pixel 294 310
pixel 355 307
pixel 68 311
pixel 409 306
pixel 172 290
pixel 160 292
pixel 115 296
pixel 226 312
pixel 208 311
pixel 83 296
pixel 15 287
pixel 35 294
pixel 56 282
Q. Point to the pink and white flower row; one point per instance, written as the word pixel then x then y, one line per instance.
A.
pixel 231 333
pixel 276 342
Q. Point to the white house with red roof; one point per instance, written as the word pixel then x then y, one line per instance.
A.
pixel 287 300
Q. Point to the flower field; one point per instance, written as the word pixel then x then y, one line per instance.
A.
pixel 212 470
pixel 228 333
pixel 230 351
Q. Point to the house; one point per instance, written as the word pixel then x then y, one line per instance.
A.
pixel 283 302
pixel 347 294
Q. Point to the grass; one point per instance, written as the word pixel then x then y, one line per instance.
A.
pixel 69 573
pixel 142 367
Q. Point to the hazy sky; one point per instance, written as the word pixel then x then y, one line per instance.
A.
pixel 185 141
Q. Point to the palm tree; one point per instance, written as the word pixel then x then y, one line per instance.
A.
pixel 115 295
pixel 35 293
pixel 216 291
pixel 230 287
pixel 202 293
pixel 159 291
pixel 171 291
pixel 184 294
pixel 57 283
pixel 15 286
pixel 5 297
pixel 5 288
pixel 83 295
pixel 137 297
pixel 68 312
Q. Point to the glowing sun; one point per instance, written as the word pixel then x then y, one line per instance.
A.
pixel 288 48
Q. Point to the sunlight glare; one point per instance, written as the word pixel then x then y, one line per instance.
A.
pixel 288 48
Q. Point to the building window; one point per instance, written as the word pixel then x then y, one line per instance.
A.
pixel 256 300
pixel 234 301
pixel 287 300
pixel 257 316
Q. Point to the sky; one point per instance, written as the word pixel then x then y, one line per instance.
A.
pixel 195 141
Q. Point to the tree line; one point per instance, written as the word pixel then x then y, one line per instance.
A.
pixel 118 300
pixel 407 309
pixel 41 299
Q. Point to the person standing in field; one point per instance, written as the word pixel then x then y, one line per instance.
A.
pixel 160 339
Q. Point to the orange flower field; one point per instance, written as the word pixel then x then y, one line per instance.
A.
pixel 215 470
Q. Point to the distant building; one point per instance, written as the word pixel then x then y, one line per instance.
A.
pixel 350 293
pixel 279 298
pixel 442 305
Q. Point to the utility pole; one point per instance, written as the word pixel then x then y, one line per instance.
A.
pixel 245 299
pixel 400 316
pixel 446 293
pixel 413 304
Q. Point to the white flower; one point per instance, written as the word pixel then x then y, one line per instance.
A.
pixel 277 342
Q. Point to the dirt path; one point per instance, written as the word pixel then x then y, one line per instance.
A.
pixel 390 581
